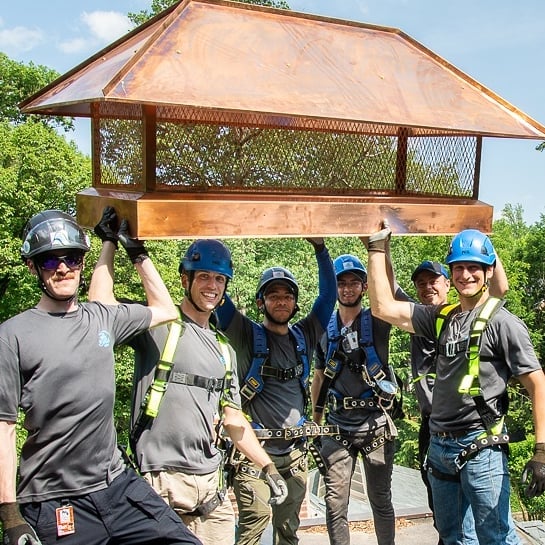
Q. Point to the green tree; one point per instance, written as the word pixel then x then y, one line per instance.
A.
pixel 19 81
pixel 38 170
pixel 157 6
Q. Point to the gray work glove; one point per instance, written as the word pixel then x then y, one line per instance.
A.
pixel 378 242
pixel 17 531
pixel 135 248
pixel 106 228
pixel 534 471
pixel 278 486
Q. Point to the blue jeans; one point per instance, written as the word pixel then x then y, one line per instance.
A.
pixel 483 488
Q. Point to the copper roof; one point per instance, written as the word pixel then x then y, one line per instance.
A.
pixel 282 69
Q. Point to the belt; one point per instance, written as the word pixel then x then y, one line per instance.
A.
pixel 308 430
pixel 455 434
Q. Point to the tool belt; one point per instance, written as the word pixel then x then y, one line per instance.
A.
pixel 296 432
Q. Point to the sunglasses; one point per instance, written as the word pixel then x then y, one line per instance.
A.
pixel 52 262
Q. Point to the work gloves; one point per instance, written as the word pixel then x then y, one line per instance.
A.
pixel 278 486
pixel 106 228
pixel 378 242
pixel 534 470
pixel 135 248
pixel 17 531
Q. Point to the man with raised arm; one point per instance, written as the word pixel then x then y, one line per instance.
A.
pixel 480 345
pixel 57 366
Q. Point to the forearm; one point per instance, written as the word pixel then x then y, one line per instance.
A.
pixel 8 462
pixel 241 433
pixel 535 385
pixel 102 281
pixel 315 388
pixel 157 295
pixel 327 287
pixel 383 304
pixel 499 285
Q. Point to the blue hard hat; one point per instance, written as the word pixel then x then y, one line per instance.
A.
pixel 207 255
pixel 347 263
pixel 471 245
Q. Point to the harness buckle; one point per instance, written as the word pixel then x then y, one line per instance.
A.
pixel 213 384
pixel 450 349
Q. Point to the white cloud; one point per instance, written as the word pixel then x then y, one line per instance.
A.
pixel 102 28
pixel 77 45
pixel 19 39
pixel 106 26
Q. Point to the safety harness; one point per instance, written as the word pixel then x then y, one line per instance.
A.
pixel 383 390
pixel 254 383
pixel 157 389
pixel 470 385
pixel 380 396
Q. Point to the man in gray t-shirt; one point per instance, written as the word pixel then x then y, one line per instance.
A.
pixel 177 450
pixel 280 404
pixel 57 367
pixel 466 462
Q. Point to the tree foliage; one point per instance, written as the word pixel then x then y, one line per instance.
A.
pixel 157 6
pixel 18 82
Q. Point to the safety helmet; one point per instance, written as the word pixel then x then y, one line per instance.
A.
pixel 471 245
pixel 207 255
pixel 347 263
pixel 52 230
pixel 276 274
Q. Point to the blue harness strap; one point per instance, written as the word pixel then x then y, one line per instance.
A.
pixel 373 363
pixel 254 383
pixel 335 360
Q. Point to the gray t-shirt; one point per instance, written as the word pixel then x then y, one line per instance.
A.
pixel 182 436
pixel 422 368
pixel 59 369
pixel 279 404
pixel 350 383
pixel 506 351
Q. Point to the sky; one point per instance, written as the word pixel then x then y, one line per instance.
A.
pixel 499 43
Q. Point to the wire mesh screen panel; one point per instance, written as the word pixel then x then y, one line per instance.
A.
pixel 196 157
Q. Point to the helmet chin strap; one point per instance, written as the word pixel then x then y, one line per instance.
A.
pixel 265 312
pixel 479 292
pixel 356 303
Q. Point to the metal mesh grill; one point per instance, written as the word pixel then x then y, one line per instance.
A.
pixel 222 156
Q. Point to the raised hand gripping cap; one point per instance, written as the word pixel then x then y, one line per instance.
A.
pixel 471 245
pixel 207 255
pixel 52 230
